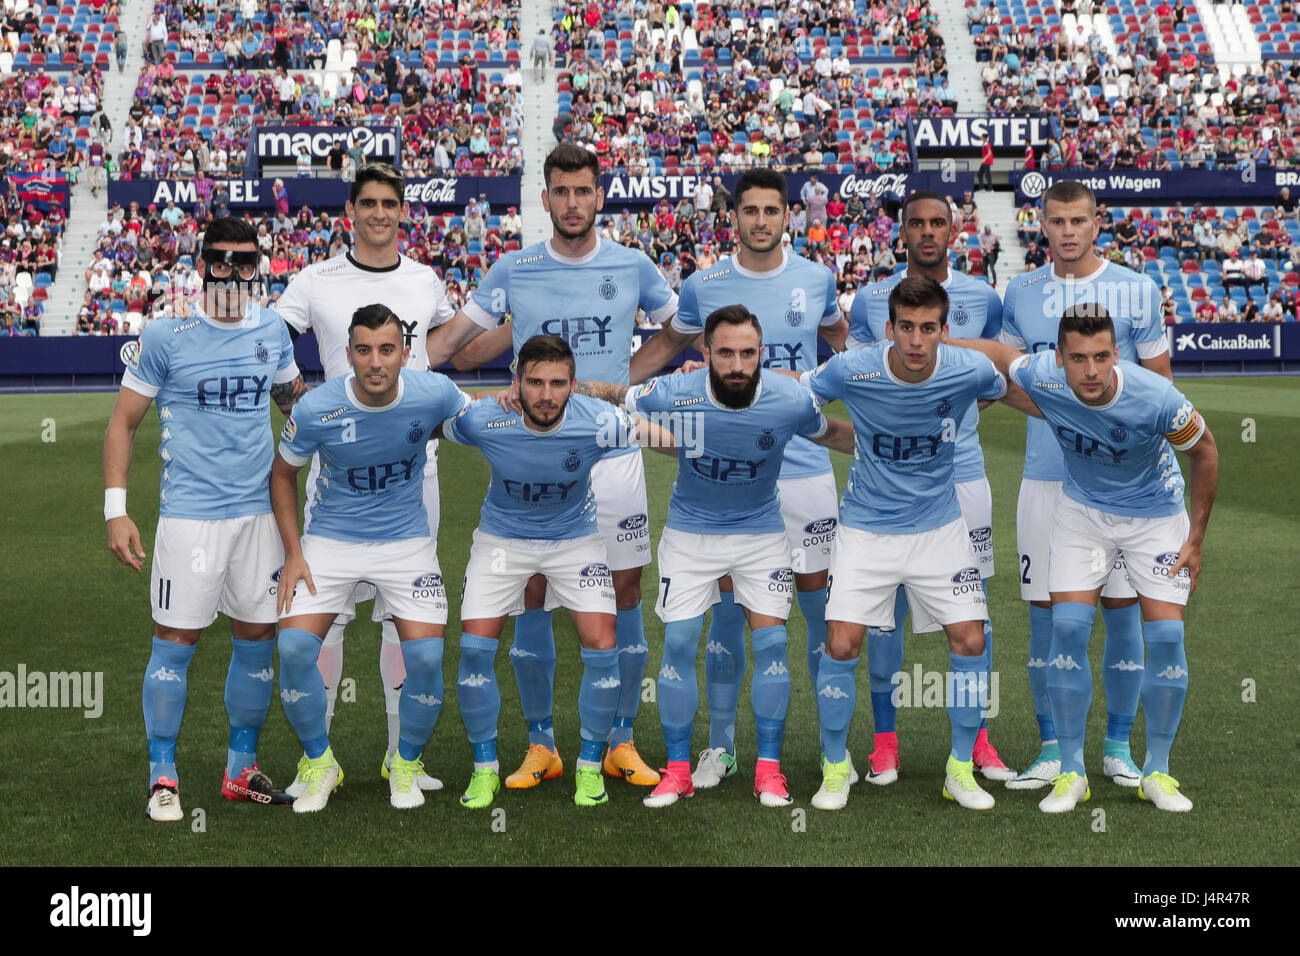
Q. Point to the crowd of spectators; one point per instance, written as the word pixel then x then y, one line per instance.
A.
pixel 1153 105
pixel 784 102
pixel 143 261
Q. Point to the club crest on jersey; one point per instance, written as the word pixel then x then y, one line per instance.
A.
pixel 943 409
pixel 130 354
pixel 416 433
pixel 573 461
pixel 608 288
pixel 1118 433
pixel 794 317
pixel 261 352
pixel 766 441
pixel 958 316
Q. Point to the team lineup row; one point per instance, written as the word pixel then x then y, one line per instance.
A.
pixel 566 505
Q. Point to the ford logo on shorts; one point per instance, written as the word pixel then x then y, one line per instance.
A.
pixel 782 575
pixel 1168 559
pixel 633 522
pixel 980 535
pixel 966 576
pixel 595 571
pixel 821 526
pixel 427 581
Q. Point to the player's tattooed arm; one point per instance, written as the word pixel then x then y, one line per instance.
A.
pixel 605 391
pixel 287 393
pixel 1204 484
pixel 838 436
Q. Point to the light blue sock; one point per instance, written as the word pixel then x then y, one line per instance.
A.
pixel 837 695
pixel 884 660
pixel 249 683
pixel 1121 673
pixel 679 692
pixel 969 685
pixel 597 700
pixel 532 655
pixel 165 685
pixel 1069 679
pixel 629 631
pixel 813 606
pixel 1040 648
pixel 724 669
pixel 302 689
pixel 480 695
pixel 1164 689
pixel 422 695
pixel 770 692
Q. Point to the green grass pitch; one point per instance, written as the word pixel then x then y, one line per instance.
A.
pixel 68 605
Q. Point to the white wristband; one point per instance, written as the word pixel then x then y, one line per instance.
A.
pixel 114 503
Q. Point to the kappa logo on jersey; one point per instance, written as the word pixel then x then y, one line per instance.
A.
pixel 608 288
pixel 958 316
pixel 572 461
pixel 726 469
pixel 905 447
pixel 1090 447
pixel 1048 385
pixel 1118 433
pixel 538 491
pixel 130 354
pixel 501 423
pixel 187 326
pixel 864 376
pixel 223 391
pixel 765 441
pixel 783 355
pixel 261 353
pixel 330 416
pixel 416 433
pixel 378 477
pixel 581 330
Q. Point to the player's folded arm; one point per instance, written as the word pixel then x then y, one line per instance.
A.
pixel 449 338
pixel 482 349
pixel 838 436
pixel 660 349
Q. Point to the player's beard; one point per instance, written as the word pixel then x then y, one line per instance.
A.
pixel 573 235
pixel 733 396
pixel 540 423
pixel 747 240
pixel 226 301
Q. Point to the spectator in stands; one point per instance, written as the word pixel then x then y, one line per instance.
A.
pixel 1228 312
pixel 1273 310
pixel 1286 205
pixel 990 247
pixel 985 172
pixel 157 37
pixel 1034 257
pixel 1028 227
pixel 1254 271
pixel 1206 311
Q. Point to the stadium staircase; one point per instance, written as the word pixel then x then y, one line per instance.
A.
pixel 963 66
pixel 88 211
pixel 541 102
pixel 998 209
pixel 1231 35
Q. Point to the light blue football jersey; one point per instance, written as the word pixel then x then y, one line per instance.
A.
pixel 211 385
pixel 902 477
pixel 371 484
pixel 1031 316
pixel 792 303
pixel 1118 457
pixel 974 312
pixel 728 459
pixel 541 481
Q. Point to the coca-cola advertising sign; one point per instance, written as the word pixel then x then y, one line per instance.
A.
pixel 442 193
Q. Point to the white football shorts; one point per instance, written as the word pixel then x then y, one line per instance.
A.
pixel 690 565
pixel 976 501
pixel 622 514
pixel 432 504
pixel 937 569
pixel 404 573
pixel 1086 541
pixel 1035 514
pixel 810 508
pixel 499 568
pixel 200 567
